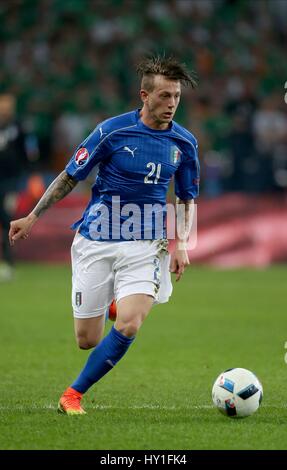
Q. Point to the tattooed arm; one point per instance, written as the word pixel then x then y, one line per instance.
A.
pixel 184 217
pixel 60 187
pixel 57 190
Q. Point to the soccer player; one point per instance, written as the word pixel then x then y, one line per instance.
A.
pixel 116 255
pixel 13 164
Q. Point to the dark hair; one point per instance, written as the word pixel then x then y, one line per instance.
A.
pixel 169 67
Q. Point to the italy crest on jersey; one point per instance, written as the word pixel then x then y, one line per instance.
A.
pixel 175 154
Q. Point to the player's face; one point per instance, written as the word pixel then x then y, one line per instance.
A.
pixel 161 103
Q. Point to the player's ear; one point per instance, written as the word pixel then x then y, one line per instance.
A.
pixel 143 95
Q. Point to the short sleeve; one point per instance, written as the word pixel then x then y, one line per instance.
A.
pixel 188 174
pixel 88 154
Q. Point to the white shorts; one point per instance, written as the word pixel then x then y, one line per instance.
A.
pixel 103 271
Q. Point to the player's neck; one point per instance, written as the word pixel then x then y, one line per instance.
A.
pixel 151 122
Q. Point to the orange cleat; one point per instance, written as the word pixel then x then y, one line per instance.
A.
pixel 70 403
pixel 113 311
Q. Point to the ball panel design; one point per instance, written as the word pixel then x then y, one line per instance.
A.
pixel 237 393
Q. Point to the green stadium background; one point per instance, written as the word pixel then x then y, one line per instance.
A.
pixel 70 64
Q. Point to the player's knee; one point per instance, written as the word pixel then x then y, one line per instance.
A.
pixel 86 342
pixel 129 328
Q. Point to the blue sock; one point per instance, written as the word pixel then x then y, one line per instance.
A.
pixel 102 359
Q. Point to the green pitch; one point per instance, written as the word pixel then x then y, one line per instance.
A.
pixel 159 395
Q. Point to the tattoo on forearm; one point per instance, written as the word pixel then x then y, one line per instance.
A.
pixel 184 218
pixel 57 190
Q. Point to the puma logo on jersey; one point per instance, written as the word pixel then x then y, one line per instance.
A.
pixel 101 132
pixel 130 150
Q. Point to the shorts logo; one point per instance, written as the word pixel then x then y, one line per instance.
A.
pixel 78 299
pixel 82 156
pixel 175 154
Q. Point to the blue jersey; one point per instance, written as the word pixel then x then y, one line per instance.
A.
pixel 135 166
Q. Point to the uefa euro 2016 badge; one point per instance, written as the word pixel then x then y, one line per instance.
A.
pixel 175 154
pixel 81 156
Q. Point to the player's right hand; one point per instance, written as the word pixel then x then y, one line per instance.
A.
pixel 21 228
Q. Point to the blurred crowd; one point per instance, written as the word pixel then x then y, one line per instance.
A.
pixel 71 64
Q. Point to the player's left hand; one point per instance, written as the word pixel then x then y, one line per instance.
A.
pixel 179 260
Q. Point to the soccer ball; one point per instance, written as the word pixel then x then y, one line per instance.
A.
pixel 237 393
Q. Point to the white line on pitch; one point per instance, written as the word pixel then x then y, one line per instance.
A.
pixel 51 406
